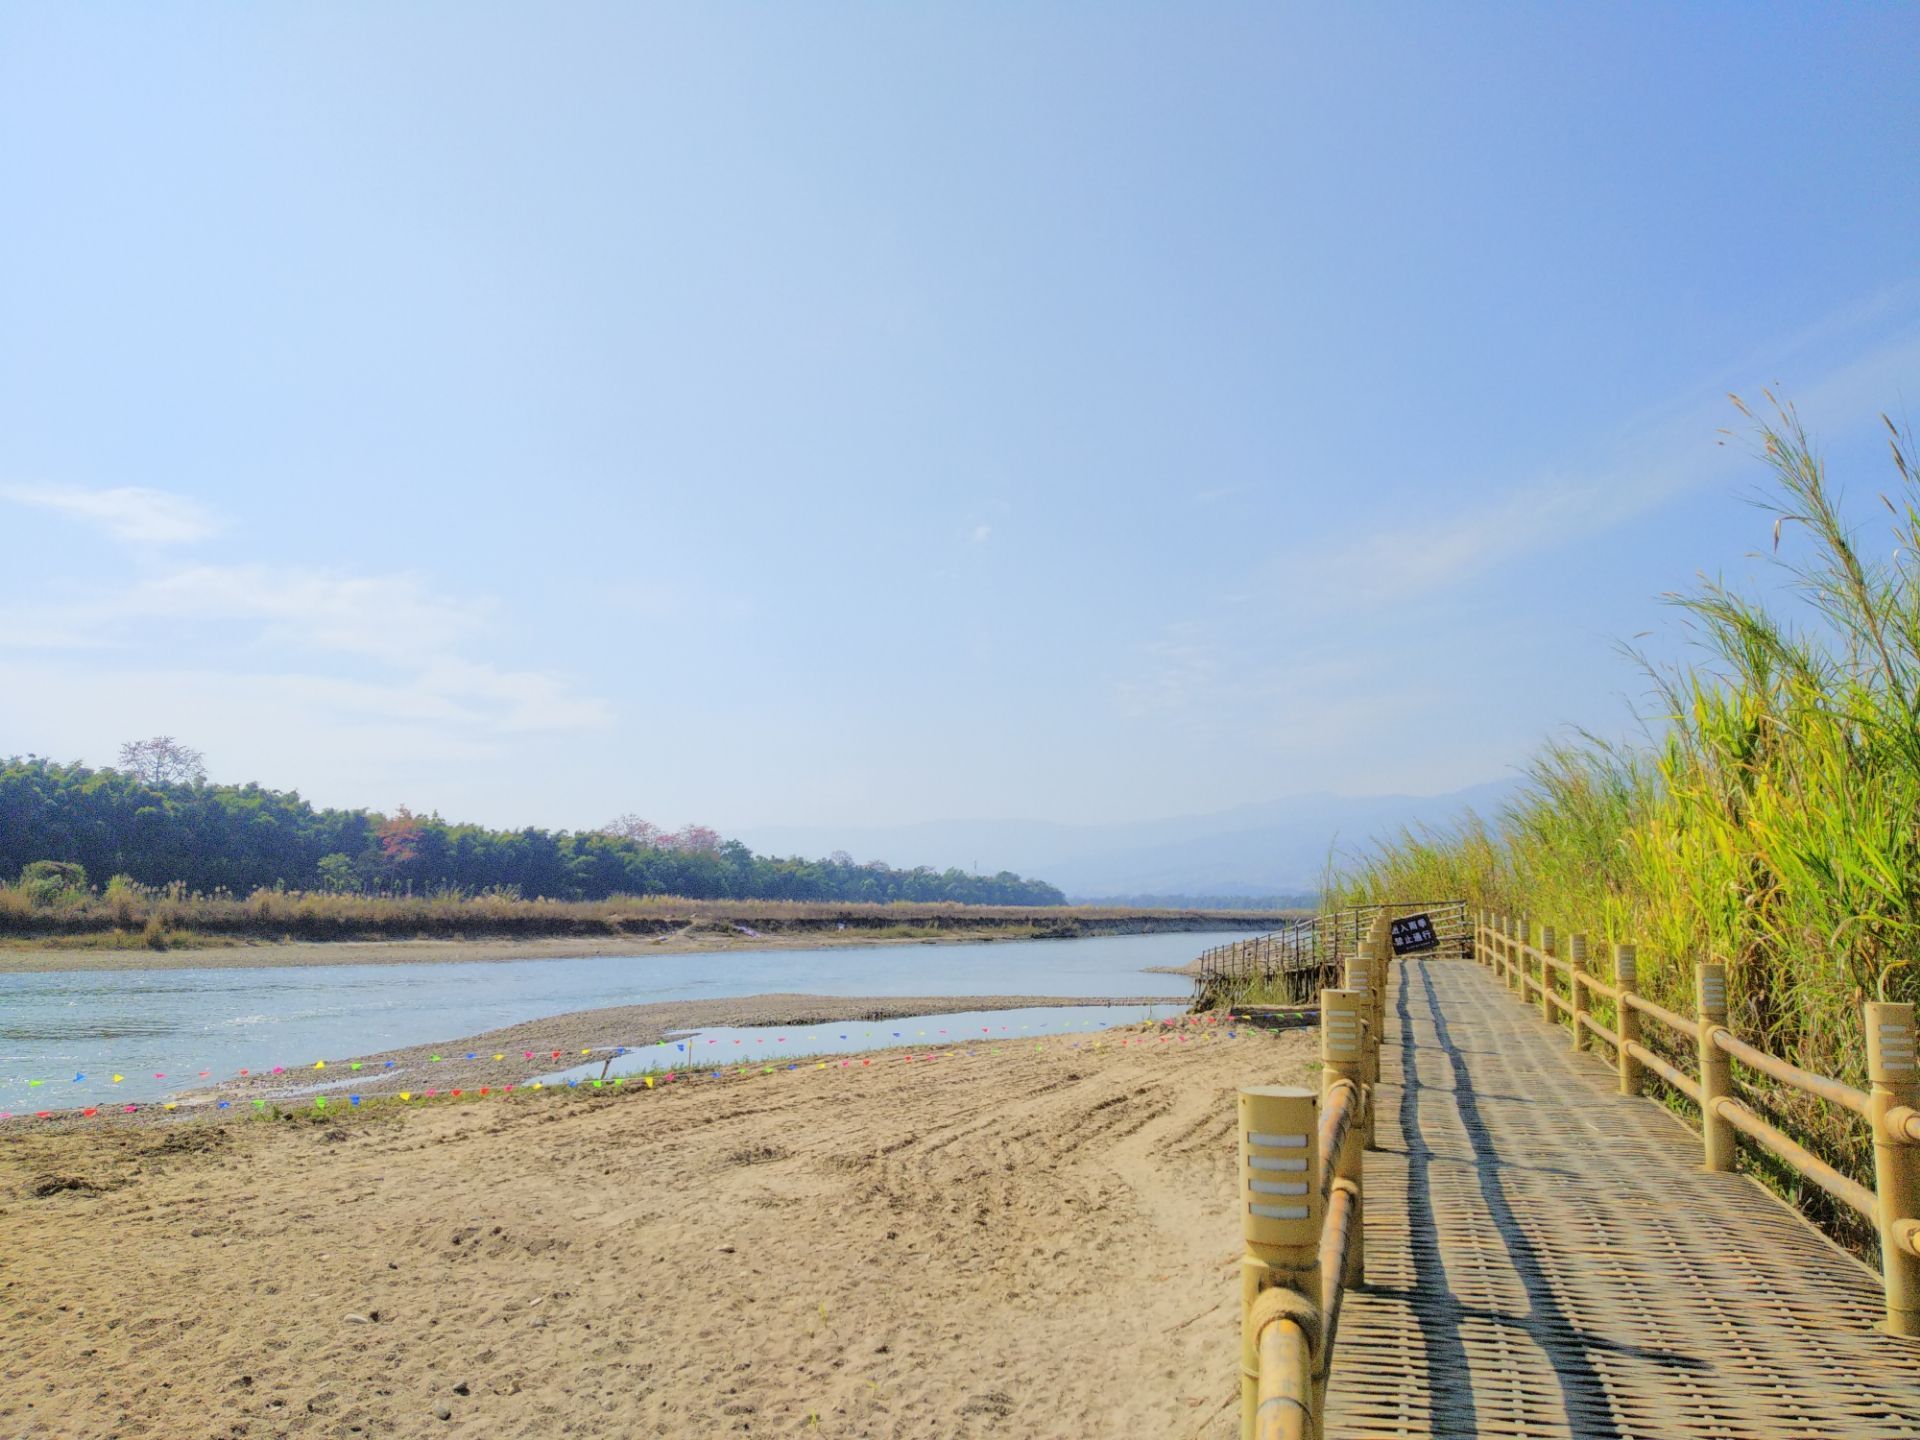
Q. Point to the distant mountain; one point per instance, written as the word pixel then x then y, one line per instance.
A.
pixel 1187 900
pixel 1272 848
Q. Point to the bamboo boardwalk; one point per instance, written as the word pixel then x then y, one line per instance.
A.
pixel 1548 1258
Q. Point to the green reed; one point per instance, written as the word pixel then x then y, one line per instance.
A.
pixel 1773 819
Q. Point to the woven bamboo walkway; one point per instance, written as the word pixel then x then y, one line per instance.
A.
pixel 1547 1258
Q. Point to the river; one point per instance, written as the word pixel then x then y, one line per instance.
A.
pixel 163 1031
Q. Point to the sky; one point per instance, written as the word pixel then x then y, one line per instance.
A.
pixel 866 414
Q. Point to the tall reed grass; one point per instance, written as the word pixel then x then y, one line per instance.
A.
pixel 1772 819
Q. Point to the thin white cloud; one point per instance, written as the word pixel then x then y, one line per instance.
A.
pixel 982 533
pixel 1390 566
pixel 1660 460
pixel 127 512
pixel 517 699
pixel 448 699
pixel 409 633
pixel 1314 654
pixel 392 617
pixel 342 741
pixel 397 618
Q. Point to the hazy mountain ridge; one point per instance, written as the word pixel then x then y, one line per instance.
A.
pixel 1273 847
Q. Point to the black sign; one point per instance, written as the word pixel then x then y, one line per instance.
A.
pixel 1414 933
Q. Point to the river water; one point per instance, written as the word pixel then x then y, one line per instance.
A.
pixel 163 1031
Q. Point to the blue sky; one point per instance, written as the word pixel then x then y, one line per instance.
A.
pixel 865 414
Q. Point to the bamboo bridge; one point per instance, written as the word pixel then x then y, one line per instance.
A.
pixel 1528 1248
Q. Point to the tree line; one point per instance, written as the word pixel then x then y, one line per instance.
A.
pixel 241 838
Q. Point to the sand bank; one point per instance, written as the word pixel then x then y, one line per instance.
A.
pixel 34 959
pixel 1037 1241
pixel 633 1026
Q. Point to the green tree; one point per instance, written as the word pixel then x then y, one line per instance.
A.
pixel 338 875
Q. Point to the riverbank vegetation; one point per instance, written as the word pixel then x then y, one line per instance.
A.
pixel 156 826
pixel 53 905
pixel 1771 821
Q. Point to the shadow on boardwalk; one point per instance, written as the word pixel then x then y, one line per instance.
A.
pixel 1546 1258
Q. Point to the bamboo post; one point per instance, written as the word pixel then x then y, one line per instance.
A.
pixel 1382 958
pixel 1716 1066
pixel 1280 1221
pixel 1343 1043
pixel 1896 1159
pixel 1627 1019
pixel 1383 988
pixel 1363 955
pixel 1360 980
pixel 1577 986
pixel 1358 983
pixel 1549 945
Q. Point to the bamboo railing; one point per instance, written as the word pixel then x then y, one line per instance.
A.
pixel 1293 962
pixel 1297 963
pixel 1302 1199
pixel 1891 1106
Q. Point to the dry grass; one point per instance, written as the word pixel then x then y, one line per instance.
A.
pixel 129 917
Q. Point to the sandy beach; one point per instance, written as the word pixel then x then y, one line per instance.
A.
pixel 1037 1240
